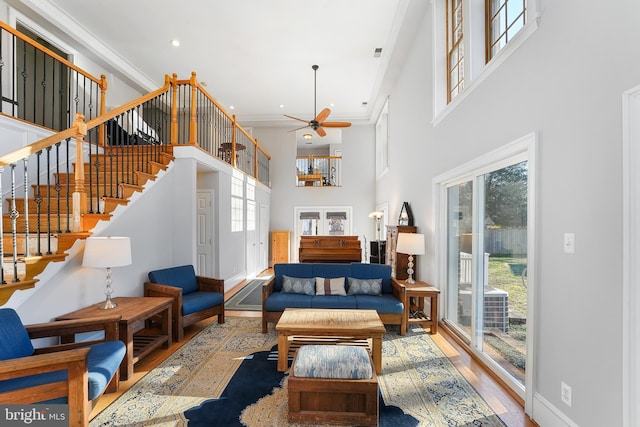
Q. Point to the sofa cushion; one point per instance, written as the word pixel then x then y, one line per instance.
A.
pixel 383 304
pixel 183 276
pixel 364 286
pixel 334 301
pixel 299 285
pixel 333 361
pixel 198 301
pixel 278 301
pixel 327 286
pixel 373 271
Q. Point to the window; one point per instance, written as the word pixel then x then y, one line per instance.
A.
pixel 251 204
pixel 485 232
pixel 505 18
pixel 471 39
pixel 455 49
pixel 237 202
pixel 382 141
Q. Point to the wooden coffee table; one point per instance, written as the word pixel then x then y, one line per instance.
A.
pixel 299 326
pixel 133 310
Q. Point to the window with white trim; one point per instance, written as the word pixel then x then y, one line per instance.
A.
pixel 237 201
pixel 471 39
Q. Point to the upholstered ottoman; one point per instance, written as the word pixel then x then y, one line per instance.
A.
pixel 333 384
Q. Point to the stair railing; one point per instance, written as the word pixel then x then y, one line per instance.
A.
pixel 76 172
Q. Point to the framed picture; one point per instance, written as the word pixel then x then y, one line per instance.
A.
pixel 406 217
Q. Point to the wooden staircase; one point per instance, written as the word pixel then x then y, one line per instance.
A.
pixel 54 215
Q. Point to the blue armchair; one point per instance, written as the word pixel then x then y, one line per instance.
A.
pixel 75 374
pixel 195 297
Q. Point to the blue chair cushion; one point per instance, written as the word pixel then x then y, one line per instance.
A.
pixel 183 276
pixel 103 362
pixel 198 301
pixel 14 338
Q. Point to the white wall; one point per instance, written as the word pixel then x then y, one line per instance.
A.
pixel 565 82
pixel 358 182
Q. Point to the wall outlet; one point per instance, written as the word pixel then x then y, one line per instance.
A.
pixel 565 393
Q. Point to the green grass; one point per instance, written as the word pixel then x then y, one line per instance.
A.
pixel 506 273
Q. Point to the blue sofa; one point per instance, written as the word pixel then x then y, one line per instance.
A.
pixel 389 304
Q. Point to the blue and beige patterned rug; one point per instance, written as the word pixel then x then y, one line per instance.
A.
pixel 226 375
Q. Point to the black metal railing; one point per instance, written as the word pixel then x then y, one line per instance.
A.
pixel 39 86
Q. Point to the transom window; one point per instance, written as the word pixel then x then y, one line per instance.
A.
pixel 455 49
pixel 505 18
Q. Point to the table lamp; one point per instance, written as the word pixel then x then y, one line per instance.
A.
pixel 107 252
pixel 410 244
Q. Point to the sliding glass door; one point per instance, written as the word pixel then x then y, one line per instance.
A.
pixel 485 263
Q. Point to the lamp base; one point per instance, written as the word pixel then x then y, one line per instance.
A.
pixel 410 280
pixel 108 304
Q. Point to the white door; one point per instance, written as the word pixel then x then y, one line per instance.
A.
pixel 205 252
pixel 263 233
pixel 252 242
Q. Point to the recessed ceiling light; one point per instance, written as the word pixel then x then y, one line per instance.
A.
pixel 175 43
pixel 281 105
pixel 231 107
pixel 203 84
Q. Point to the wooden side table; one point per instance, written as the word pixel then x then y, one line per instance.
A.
pixel 133 310
pixel 414 304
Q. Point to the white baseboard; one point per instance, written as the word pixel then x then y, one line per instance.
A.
pixel 547 415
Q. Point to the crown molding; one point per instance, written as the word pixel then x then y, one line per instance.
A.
pixel 67 24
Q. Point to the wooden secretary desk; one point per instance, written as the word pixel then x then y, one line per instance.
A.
pixel 398 262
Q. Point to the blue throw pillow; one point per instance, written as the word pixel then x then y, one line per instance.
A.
pixel 364 286
pixel 299 285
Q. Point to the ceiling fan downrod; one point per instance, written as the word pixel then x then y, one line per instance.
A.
pixel 315 102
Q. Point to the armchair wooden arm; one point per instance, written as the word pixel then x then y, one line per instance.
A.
pixel 66 330
pixel 209 284
pixel 75 388
pixel 267 289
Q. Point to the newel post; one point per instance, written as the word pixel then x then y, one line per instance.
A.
pixel 192 123
pixel 79 195
pixel 174 109
pixel 103 108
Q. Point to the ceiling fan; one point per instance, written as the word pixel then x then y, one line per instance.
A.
pixel 318 123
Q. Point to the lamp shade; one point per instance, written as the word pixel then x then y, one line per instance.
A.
pixel 410 243
pixel 103 252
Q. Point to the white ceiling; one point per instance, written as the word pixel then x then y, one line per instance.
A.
pixel 254 55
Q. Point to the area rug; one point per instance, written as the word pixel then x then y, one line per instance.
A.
pixel 226 376
pixel 249 298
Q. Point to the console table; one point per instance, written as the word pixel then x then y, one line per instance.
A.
pixel 134 310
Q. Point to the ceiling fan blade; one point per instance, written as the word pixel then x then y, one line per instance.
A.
pixel 302 127
pixel 321 131
pixel 335 124
pixel 323 115
pixel 295 118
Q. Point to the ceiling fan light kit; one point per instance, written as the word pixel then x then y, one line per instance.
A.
pixel 318 123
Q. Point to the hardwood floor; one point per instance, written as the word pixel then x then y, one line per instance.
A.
pixel 501 401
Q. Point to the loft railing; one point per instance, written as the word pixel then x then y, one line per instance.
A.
pixel 202 121
pixel 319 171
pixel 41 87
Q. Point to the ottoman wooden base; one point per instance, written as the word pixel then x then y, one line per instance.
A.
pixel 333 401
